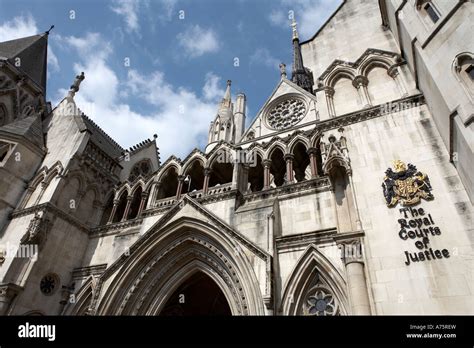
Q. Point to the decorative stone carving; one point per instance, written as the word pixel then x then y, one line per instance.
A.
pixel 37 230
pixel 49 284
pixel 286 113
pixel 351 251
pixel 334 153
pixel 7 294
pixel 320 302
pixel 406 185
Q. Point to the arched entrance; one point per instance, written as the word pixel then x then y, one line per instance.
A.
pixel 165 259
pixel 197 295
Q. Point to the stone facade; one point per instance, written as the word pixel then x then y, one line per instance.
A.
pixel 285 217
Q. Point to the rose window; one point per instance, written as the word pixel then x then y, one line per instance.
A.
pixel 286 113
pixel 49 284
pixel 320 303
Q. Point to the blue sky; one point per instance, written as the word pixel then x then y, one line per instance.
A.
pixel 149 70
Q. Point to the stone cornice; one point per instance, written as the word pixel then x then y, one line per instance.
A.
pixel 350 118
pixel 117 227
pixel 304 239
pixel 373 112
pixel 327 235
pixel 50 208
pixel 319 184
pixel 84 272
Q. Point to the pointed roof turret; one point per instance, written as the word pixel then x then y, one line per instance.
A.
pixel 299 74
pixel 29 54
pixel 227 98
pixel 225 107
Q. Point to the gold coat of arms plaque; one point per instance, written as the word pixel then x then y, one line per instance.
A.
pixel 405 184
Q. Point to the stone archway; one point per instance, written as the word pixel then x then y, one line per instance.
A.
pixel 197 295
pixel 144 282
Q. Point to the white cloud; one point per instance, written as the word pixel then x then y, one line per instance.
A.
pixel 52 60
pixel 90 46
pixel 180 118
pixel 128 9
pixel 168 8
pixel 181 114
pixel 23 26
pixel 197 41
pixel 212 89
pixel 18 27
pixel 263 56
pixel 278 18
pixel 309 15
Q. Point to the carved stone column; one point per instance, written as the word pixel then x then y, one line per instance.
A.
pixel 127 208
pixel 180 186
pixel 352 256
pixel 207 175
pixel 29 192
pixel 289 168
pixel 313 161
pixel 114 210
pixel 360 83
pixel 235 173
pixel 354 198
pixel 330 101
pixel 97 213
pixel 142 203
pixel 394 73
pixel 155 188
pixel 7 293
pixel 266 174
pixel 43 188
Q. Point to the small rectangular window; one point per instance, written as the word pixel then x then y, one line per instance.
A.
pixel 429 8
pixel 470 71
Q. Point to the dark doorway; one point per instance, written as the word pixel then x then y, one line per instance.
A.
pixel 198 295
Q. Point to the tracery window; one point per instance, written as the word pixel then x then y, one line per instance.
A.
pixel 320 301
pixel 286 113
pixel 49 284
pixel 142 168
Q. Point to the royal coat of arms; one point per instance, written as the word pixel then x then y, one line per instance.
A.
pixel 405 184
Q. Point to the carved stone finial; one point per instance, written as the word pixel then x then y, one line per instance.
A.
pixel 75 86
pixel 47 31
pixel 283 70
pixel 295 31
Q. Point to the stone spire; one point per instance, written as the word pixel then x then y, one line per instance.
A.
pixel 299 74
pixel 223 126
pixel 226 101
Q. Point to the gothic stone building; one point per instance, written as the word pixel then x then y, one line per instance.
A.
pixel 350 192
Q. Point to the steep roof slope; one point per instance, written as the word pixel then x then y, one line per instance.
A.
pixel 32 52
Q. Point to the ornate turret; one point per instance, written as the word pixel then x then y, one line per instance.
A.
pixel 300 75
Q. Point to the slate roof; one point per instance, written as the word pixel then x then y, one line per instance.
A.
pixel 32 51
pixel 30 128
pixel 102 139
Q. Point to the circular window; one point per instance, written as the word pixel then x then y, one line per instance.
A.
pixel 321 302
pixel 286 113
pixel 49 284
